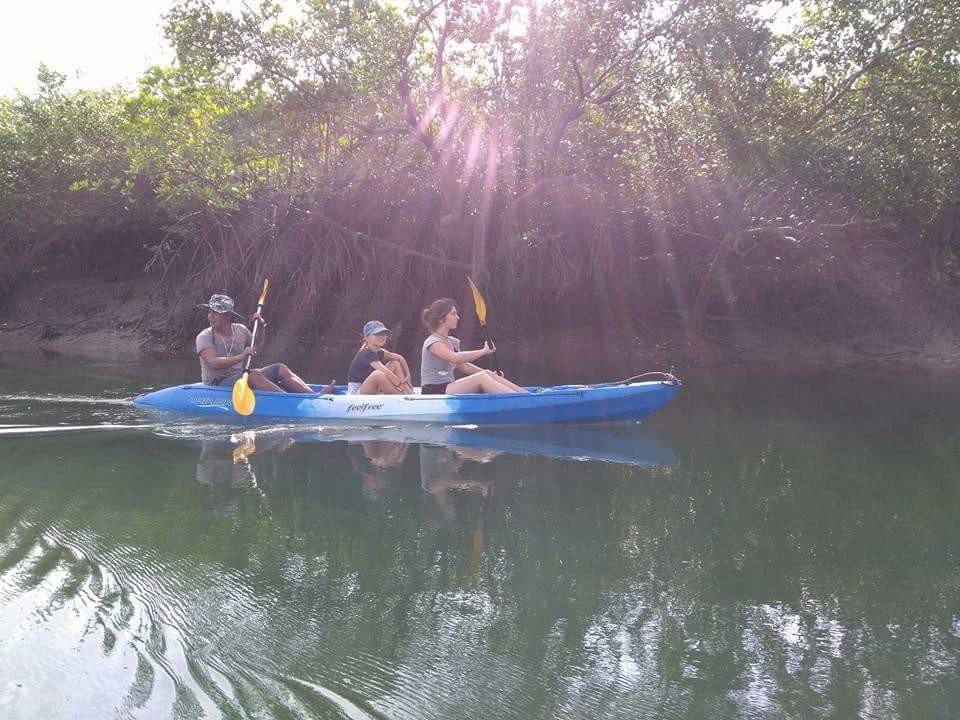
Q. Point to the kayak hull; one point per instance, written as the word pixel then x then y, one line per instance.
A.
pixel 560 404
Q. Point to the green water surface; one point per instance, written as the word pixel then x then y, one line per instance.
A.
pixel 762 548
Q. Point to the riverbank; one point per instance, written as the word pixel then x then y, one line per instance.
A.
pixel 96 318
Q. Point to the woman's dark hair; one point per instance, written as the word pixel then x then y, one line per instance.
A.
pixel 434 315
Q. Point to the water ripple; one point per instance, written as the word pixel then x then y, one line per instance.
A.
pixel 30 430
pixel 57 399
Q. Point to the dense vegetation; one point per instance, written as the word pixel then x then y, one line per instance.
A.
pixel 704 156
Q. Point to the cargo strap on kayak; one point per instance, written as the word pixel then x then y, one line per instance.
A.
pixel 667 378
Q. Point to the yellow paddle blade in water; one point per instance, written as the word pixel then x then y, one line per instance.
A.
pixel 246 448
pixel 478 302
pixel 243 399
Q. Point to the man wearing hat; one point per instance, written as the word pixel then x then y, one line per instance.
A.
pixel 225 345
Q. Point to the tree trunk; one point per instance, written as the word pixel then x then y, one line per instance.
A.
pixel 705 293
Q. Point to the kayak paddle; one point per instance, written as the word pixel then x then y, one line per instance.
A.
pixel 243 397
pixel 481 308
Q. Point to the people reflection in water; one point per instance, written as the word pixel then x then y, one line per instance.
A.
pixel 224 466
pixel 440 475
pixel 373 459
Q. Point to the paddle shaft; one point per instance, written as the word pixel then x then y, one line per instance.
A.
pixel 493 355
pixel 480 306
pixel 253 336
pixel 244 401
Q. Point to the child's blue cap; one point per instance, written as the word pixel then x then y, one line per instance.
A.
pixel 374 327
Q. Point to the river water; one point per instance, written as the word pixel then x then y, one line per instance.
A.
pixel 761 548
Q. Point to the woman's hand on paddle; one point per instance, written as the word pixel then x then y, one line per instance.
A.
pixel 489 347
pixel 257 316
pixel 248 351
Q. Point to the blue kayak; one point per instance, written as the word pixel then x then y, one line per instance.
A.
pixel 542 405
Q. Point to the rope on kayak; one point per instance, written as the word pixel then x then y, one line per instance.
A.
pixel 667 378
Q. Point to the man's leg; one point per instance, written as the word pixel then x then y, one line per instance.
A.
pixel 259 381
pixel 286 378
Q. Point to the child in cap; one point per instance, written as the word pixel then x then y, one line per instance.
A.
pixel 376 371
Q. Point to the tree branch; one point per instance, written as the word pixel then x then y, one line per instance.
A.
pixel 846 85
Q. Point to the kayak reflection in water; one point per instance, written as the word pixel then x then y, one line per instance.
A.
pixel 440 475
pixel 373 459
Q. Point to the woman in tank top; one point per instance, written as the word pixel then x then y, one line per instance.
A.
pixel 441 355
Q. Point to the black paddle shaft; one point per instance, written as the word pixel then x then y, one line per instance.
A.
pixel 493 356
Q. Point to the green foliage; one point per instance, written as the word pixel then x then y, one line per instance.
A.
pixel 878 107
pixel 62 157
pixel 64 181
pixel 198 140
pixel 459 129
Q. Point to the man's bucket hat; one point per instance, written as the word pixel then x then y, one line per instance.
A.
pixel 374 327
pixel 220 304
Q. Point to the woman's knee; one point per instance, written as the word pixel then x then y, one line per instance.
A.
pixel 374 380
pixel 479 382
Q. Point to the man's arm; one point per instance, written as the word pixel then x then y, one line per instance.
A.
pixel 261 330
pixel 210 356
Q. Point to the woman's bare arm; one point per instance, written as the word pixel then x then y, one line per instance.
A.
pixel 443 352
pixel 403 363
pixel 391 376
pixel 469 368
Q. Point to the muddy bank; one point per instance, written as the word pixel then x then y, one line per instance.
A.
pixel 94 318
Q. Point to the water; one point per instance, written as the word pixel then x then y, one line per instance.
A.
pixel 774 548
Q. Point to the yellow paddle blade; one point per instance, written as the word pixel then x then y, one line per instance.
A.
pixel 246 446
pixel 263 293
pixel 241 453
pixel 478 302
pixel 243 397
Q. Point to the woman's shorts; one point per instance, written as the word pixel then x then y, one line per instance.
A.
pixel 438 389
pixel 353 388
